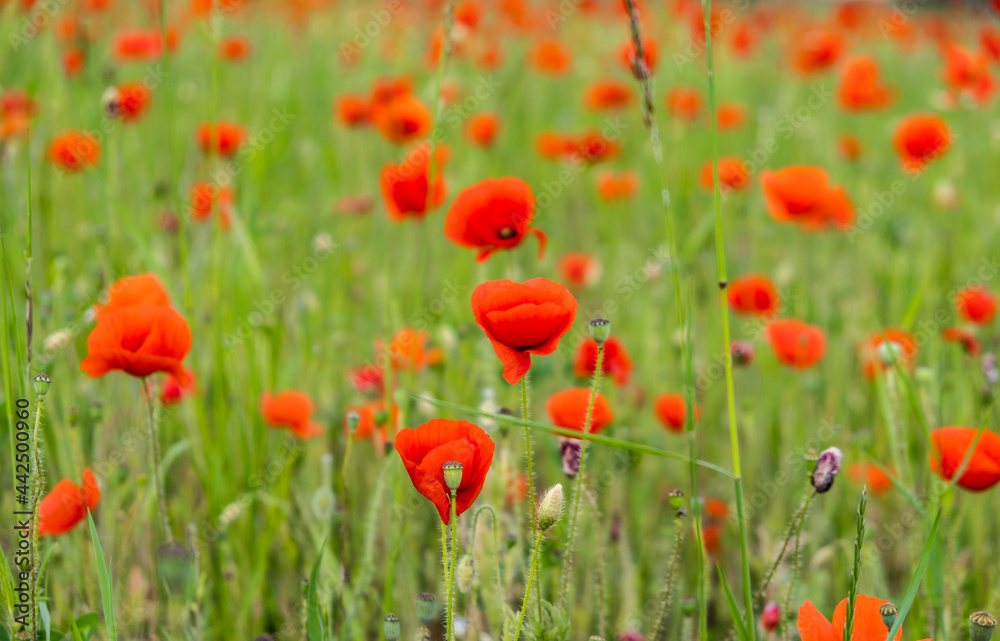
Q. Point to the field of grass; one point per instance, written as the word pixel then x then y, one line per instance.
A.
pixel 295 277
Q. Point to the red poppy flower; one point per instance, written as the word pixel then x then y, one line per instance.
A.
pixel 711 536
pixel 802 195
pixel 976 304
pixel 17 101
pixel 352 110
pixel 408 350
pixel 426 448
pixel 579 269
pixel 615 363
pixel 368 415
pixel 134 291
pixel 753 294
pixel 138 340
pixel 860 86
pixel 921 139
pixel 989 40
pixel 74 151
pixel 292 410
pixel 849 147
pixel 384 90
pixel 671 411
pixel 223 138
pixel 72 62
pixel 173 392
pixel 872 362
pixel 133 101
pixel 684 102
pixel 354 205
pixel 612 187
pixel 405 185
pixel 730 115
pixel 205 198
pixel 568 409
pixel 733 174
pixel 868 623
pixel 817 50
pixel 235 48
pixel 142 45
pixel 796 344
pixel 551 57
pixel 967 339
pixel 629 57
pixel 67 504
pixel 554 146
pixel 367 380
pixel 491 215
pixel 969 73
pixel 608 94
pixel 521 319
pixel 402 119
pixel 951 444
pixel 869 475
pixel 482 129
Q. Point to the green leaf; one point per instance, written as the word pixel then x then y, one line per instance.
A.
pixel 43 614
pixel 314 617
pixel 734 610
pixel 6 584
pixel 918 575
pixel 85 627
pixel 104 580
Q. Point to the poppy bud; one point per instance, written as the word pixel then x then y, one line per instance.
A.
pixel 826 470
pixel 811 458
pixel 890 352
pixel 452 475
pixel 676 500
pixel 550 507
pixel 426 608
pixel 41 384
pixel 465 573
pixel 353 419
pixel 600 329
pixel 888 612
pixel 687 607
pixel 569 451
pixel 390 626
pixel 742 352
pixel 771 616
pixel 981 626
pixel 111 102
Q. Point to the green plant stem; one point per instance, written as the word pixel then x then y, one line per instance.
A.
pixel 527 587
pixel 661 619
pixel 154 449
pixel 495 526
pixel 793 525
pixel 451 568
pixel 526 413
pixel 580 484
pixel 720 252
pixel 796 556
pixel 38 482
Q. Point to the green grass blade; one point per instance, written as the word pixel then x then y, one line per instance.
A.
pixel 918 575
pixel 314 617
pixel 734 610
pixel 104 580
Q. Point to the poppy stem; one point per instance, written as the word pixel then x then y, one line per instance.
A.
pixel 495 526
pixel 450 634
pixel 796 558
pixel 791 532
pixel 38 482
pixel 154 449
pixel 668 584
pixel 525 412
pixel 532 573
pixel 579 486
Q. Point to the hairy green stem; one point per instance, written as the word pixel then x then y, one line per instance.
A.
pixel 661 619
pixel 527 587
pixel 154 449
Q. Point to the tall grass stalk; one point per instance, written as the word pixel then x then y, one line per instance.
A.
pixel 720 252
pixel 153 433
pixel 859 540
pixel 37 486
pixel 580 485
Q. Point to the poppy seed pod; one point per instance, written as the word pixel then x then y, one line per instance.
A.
pixel 426 608
pixel 390 627
pixel 826 470
pixel 889 352
pixel 452 475
pixel 550 507
pixel 981 626
pixel 600 329
pixel 888 612
pixel 353 419
pixel 676 500
pixel 465 573
pixel 41 384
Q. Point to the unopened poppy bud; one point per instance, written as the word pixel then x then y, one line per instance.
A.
pixel 600 329
pixel 676 500
pixel 390 627
pixel 569 451
pixel 826 470
pixel 41 384
pixel 742 353
pixel 111 102
pixel 465 573
pixel 687 607
pixel 550 507
pixel 888 612
pixel 353 419
pixel 981 626
pixel 426 608
pixel 771 616
pixel 889 352
pixel 452 475
pixel 811 458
